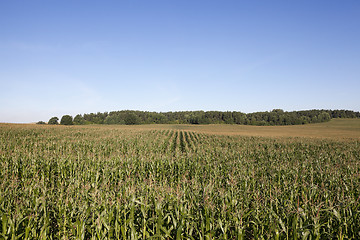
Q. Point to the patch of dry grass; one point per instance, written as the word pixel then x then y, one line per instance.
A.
pixel 337 129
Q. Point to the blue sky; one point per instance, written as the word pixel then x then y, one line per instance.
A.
pixel 70 57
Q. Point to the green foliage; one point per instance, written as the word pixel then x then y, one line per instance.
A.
pixel 114 119
pixel 66 120
pixel 53 121
pixel 95 118
pixel 41 122
pixel 275 117
pixel 131 119
pixel 113 183
pixel 79 120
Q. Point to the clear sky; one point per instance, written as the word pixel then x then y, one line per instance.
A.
pixel 70 57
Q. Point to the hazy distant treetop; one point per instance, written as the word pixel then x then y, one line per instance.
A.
pixel 274 117
pixel 79 120
pixel 131 119
pixel 278 111
pixel 66 120
pixel 53 121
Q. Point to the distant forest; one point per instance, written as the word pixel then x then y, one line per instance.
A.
pixel 274 117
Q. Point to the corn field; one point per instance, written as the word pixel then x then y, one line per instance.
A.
pixel 103 182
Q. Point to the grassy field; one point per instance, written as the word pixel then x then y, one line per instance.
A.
pixel 337 129
pixel 180 181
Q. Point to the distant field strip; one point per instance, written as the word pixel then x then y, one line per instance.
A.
pixel 339 129
pixel 177 182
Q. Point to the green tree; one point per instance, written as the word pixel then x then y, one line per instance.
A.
pixel 40 122
pixel 66 120
pixel 79 120
pixel 114 119
pixel 131 119
pixel 324 117
pixel 53 121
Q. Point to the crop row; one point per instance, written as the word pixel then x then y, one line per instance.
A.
pixel 109 183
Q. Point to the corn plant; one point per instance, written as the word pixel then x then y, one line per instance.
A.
pixel 106 182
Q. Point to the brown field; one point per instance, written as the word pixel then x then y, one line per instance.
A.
pixel 337 129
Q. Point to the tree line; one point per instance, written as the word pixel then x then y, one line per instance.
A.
pixel 271 118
